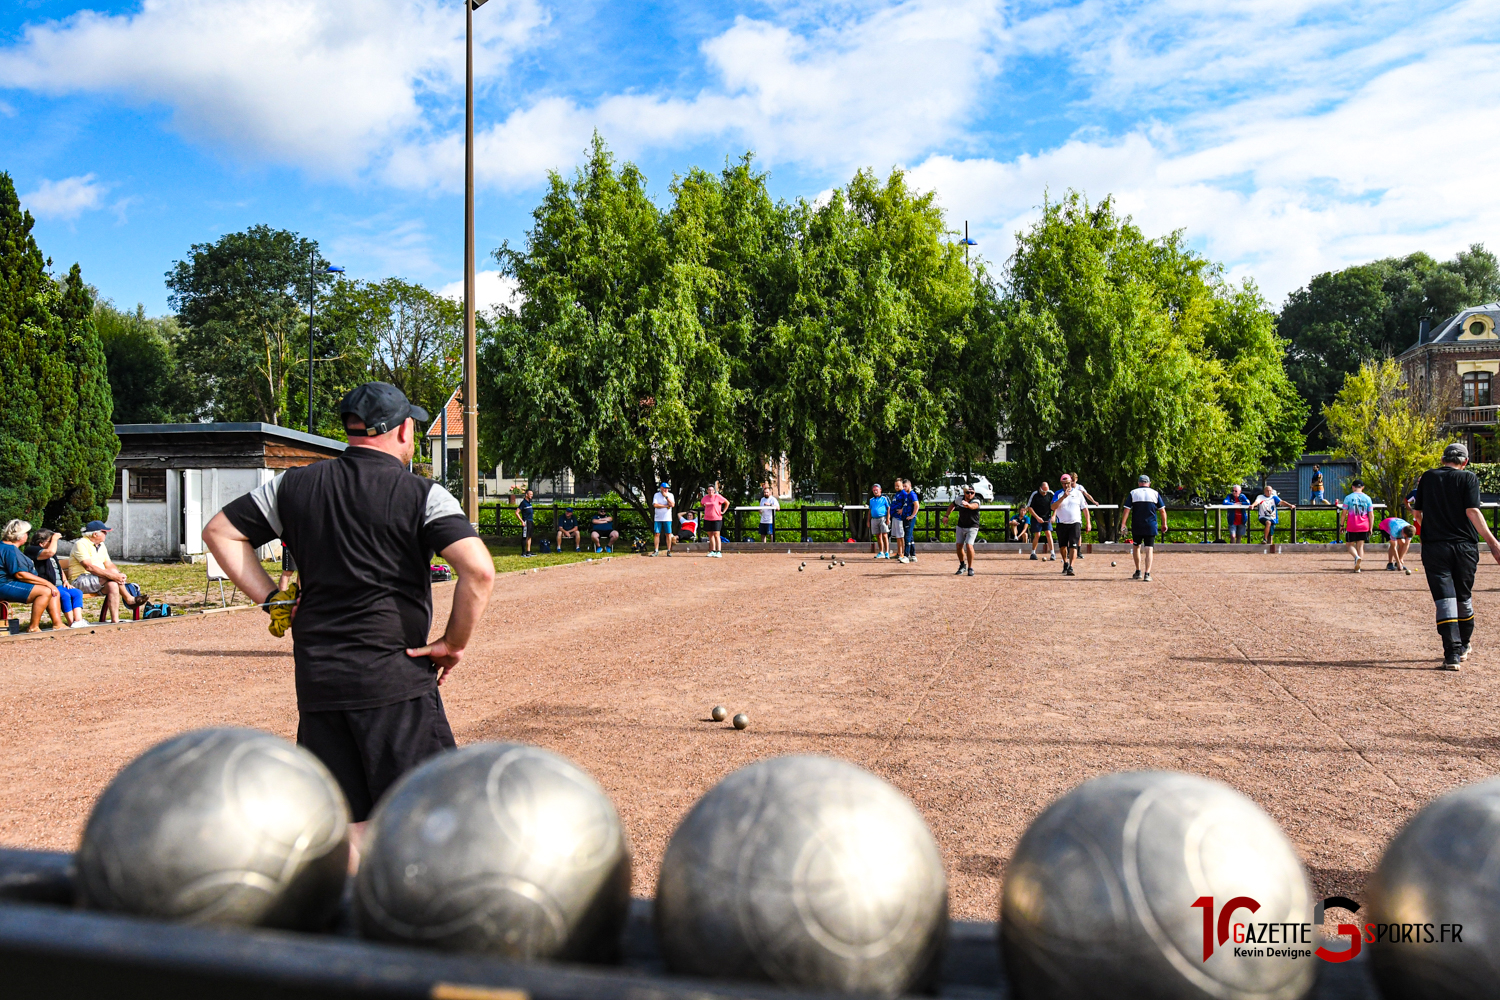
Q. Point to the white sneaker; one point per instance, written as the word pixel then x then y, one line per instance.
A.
pixel 79 624
pixel 903 560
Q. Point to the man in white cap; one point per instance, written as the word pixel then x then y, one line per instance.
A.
pixel 1148 516
pixel 1451 522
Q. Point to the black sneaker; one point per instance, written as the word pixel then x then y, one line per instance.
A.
pixel 1452 661
pixel 1136 575
pixel 971 570
pixel 1068 571
pixel 960 570
pixel 1390 567
pixel 1033 557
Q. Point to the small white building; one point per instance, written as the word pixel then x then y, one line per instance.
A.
pixel 171 479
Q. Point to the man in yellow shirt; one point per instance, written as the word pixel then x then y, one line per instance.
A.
pixel 96 573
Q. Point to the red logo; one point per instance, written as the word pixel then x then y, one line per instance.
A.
pixel 1267 939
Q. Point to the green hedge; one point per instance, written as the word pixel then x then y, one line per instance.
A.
pixel 1489 476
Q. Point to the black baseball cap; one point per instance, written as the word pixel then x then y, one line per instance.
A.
pixel 381 407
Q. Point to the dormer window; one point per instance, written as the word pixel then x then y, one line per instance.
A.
pixel 1477 389
pixel 1477 327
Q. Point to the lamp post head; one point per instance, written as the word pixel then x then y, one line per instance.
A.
pixel 968 242
pixel 333 269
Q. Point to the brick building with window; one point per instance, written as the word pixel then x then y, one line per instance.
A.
pixel 1455 365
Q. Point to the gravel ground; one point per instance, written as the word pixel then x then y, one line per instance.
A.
pixel 1309 688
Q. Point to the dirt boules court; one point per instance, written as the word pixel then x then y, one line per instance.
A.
pixel 1309 688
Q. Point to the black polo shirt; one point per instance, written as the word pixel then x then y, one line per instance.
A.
pixel 362 530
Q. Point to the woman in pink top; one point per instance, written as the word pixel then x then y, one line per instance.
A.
pixel 714 505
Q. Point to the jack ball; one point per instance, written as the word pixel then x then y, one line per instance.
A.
pixel 499 849
pixel 219 826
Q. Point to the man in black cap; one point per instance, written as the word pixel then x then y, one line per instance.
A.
pixel 363 530
pixel 1451 523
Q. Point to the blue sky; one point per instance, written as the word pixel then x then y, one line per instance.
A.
pixel 1287 137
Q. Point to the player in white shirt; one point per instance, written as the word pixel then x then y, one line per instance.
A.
pixel 769 505
pixel 661 505
pixel 1071 511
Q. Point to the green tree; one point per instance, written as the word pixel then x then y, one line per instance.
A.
pixel 1376 420
pixel 888 355
pixel 140 354
pixel 1342 319
pixel 615 364
pixel 1126 355
pixel 57 447
pixel 242 304
pixel 392 331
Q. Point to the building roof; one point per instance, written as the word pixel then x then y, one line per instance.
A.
pixel 455 419
pixel 268 430
pixel 1450 330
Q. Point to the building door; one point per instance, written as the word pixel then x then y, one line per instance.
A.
pixel 192 511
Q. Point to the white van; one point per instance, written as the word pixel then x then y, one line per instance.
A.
pixel 951 487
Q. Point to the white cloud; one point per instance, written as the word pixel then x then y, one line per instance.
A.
pixel 491 289
pixel 65 199
pixel 324 86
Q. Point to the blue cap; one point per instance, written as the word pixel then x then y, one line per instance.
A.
pixel 93 526
pixel 665 484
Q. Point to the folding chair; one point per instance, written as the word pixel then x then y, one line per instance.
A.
pixel 216 573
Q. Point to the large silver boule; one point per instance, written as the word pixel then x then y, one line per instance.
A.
pixel 225 826
pixel 808 872
pixel 1443 868
pixel 498 848
pixel 1098 898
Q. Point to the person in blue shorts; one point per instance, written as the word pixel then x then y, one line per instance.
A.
pixel 880 522
pixel 1315 494
pixel 1399 533
pixel 1039 511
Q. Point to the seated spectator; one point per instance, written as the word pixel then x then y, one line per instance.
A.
pixel 43 552
pixel 567 527
pixel 1016 528
pixel 96 573
pixel 602 532
pixel 19 581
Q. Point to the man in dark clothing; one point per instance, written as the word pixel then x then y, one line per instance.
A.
pixel 363 530
pixel 967 531
pixel 1451 523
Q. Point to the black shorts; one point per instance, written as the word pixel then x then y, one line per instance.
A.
pixel 603 532
pixel 768 528
pixel 368 749
pixel 713 525
pixel 1147 540
pixel 525 529
pixel 1069 535
pixel 1356 536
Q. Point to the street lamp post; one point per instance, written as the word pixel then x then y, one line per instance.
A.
pixel 967 242
pixel 312 294
pixel 470 393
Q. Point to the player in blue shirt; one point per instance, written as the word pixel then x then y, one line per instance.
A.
pixel 898 511
pixel 880 522
pixel 1148 518
pixel 1239 520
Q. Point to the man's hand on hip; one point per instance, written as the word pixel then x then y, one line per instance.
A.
pixel 444 658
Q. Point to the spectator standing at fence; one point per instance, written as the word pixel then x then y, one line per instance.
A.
pixel 714 505
pixel 967 530
pixel 880 522
pixel 1239 520
pixel 1398 534
pixel 99 574
pixel 897 536
pixel 1267 506
pixel 769 505
pixel 1148 518
pixel 1451 523
pixel 602 531
pixel 1039 509
pixel 43 553
pixel 1359 515
pixel 662 502
pixel 526 512
pixel 1315 487
pixel 1070 508
pixel 567 527
pixel 19 581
